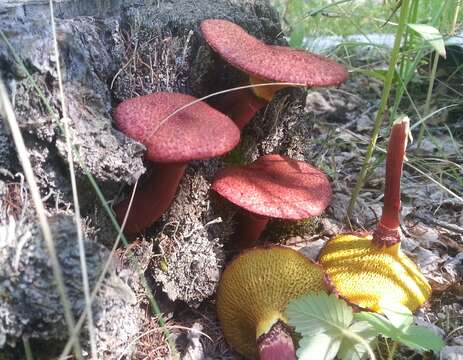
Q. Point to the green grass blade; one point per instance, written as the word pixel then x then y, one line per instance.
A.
pixel 75 196
pixel 23 155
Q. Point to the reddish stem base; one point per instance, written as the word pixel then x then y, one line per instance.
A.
pixel 388 231
pixel 277 344
pixel 150 202
pixel 249 228
pixel 240 105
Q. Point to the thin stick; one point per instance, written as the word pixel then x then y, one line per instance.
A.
pixel 100 280
pixel 427 176
pixel 163 121
pixel 431 220
pixel 75 196
pixel 23 155
pixel 382 108
pixel 99 194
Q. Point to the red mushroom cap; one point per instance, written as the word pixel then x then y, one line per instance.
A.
pixel 276 186
pixel 195 133
pixel 271 63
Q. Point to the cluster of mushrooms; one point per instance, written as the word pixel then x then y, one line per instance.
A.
pixel 364 269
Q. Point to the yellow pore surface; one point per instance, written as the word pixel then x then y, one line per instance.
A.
pixel 366 275
pixel 256 287
pixel 264 92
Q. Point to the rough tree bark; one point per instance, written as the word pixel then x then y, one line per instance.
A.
pixel 110 50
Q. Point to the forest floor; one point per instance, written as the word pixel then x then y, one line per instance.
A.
pixel 432 217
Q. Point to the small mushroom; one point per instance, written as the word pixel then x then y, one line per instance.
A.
pixel 274 186
pixel 265 63
pixel 371 270
pixel 196 133
pixel 253 292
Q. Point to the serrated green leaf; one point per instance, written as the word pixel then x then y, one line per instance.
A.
pixel 399 315
pixel 431 35
pixel 420 338
pixel 319 313
pixel 324 321
pixel 415 337
pixel 353 350
pixel 379 323
pixel 321 346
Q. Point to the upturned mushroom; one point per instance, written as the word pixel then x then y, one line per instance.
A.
pixel 370 270
pixel 253 292
pixel 274 186
pixel 197 132
pixel 265 64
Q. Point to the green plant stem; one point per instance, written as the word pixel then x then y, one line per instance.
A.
pixel 134 260
pixel 455 17
pixel 427 104
pixel 384 100
pixel 392 351
pixel 74 332
pixel 75 195
pixel 360 340
pixel 407 67
pixel 27 348
pixel 7 109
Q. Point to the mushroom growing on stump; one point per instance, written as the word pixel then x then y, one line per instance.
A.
pixel 253 292
pixel 273 186
pixel 196 133
pixel 265 64
pixel 371 270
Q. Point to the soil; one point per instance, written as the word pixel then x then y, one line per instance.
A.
pixel 121 49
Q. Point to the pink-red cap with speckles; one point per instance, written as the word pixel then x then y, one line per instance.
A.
pixel 269 62
pixel 195 133
pixel 276 186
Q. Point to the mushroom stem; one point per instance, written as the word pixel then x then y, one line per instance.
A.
pixel 388 231
pixel 249 228
pixel 241 106
pixel 276 344
pixel 150 202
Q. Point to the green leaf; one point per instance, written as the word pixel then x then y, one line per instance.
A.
pixel 379 323
pixel 296 38
pixel 420 338
pixel 431 35
pixel 353 350
pixel 319 313
pixel 378 74
pixel 324 321
pixel 297 35
pixel 415 337
pixel 321 346
pixel 399 315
